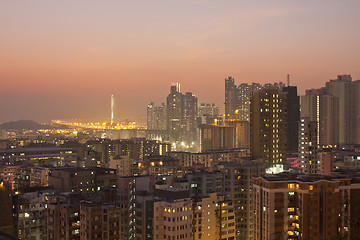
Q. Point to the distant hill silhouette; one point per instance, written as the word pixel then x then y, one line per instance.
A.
pixel 23 124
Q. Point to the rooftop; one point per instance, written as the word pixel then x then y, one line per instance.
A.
pixel 34 150
pixel 301 177
pixel 82 169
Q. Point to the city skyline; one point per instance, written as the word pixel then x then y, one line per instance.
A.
pixel 191 120
pixel 74 56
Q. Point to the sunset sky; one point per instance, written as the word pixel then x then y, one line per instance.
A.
pixel 63 59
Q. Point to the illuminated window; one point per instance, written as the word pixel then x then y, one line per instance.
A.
pixel 311 187
pixel 291 209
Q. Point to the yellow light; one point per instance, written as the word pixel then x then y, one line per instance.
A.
pixel 152 164
pixel 161 163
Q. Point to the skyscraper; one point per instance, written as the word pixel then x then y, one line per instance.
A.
pixel 320 106
pixel 243 100
pixel 156 117
pixel 238 104
pixel 293 117
pixel 268 126
pixel 188 123
pixel 336 109
pixel 181 114
pixel 230 98
pixel 356 92
pixel 174 113
pixel 150 116
pixel 307 160
pixel 341 88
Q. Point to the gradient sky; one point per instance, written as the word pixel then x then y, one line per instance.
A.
pixel 63 59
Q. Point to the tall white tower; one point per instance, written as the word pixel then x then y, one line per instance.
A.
pixel 112 109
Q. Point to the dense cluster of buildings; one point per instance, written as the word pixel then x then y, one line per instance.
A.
pixel 275 166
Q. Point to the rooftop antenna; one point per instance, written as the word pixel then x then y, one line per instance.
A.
pixel 288 80
pixel 112 109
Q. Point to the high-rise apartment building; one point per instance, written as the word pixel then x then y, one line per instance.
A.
pixel 230 98
pixel 29 211
pixel 181 117
pixel 341 88
pixel 216 137
pixel 308 148
pixel 238 183
pixel 144 213
pixel 128 188
pixel 321 107
pixel 205 222
pixel 241 130
pixel 214 217
pixel 173 215
pixel 124 165
pixel 335 108
pixel 6 215
pixel 202 183
pixel 99 221
pixel 189 125
pixel 293 117
pixel 63 220
pixel 237 98
pixel 328 120
pixel 226 217
pixel 71 218
pixel 207 113
pixel 356 92
pixel 268 126
pixel 243 100
pixel 156 117
pixel 174 113
pixel 290 206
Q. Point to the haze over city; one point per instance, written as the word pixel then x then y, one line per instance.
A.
pixel 180 120
pixel 64 59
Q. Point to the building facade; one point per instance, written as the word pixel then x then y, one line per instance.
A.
pixel 291 206
pixel 268 126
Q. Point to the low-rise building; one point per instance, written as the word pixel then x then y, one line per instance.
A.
pixel 40 156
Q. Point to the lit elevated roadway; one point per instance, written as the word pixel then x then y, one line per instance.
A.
pixel 97 125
